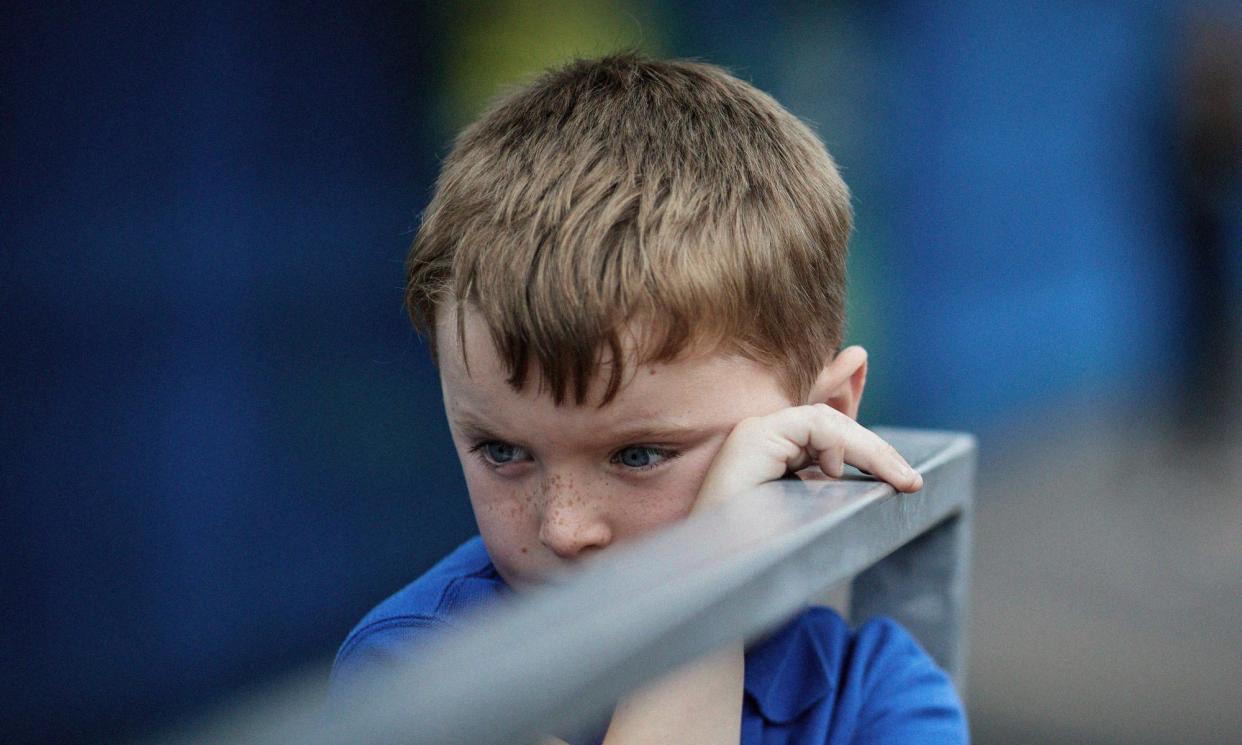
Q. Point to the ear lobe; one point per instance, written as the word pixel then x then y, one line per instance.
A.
pixel 840 383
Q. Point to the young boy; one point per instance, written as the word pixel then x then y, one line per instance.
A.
pixel 632 275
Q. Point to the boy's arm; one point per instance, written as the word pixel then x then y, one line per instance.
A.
pixel 702 702
pixel 698 704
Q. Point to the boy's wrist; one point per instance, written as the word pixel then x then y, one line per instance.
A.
pixel 699 703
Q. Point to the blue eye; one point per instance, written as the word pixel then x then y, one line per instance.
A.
pixel 641 456
pixel 500 453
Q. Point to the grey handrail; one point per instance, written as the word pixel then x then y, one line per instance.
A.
pixel 558 658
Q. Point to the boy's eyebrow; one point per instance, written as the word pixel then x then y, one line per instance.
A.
pixel 656 431
pixel 471 424
pixel 643 431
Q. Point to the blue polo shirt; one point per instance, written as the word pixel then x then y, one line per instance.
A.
pixel 814 680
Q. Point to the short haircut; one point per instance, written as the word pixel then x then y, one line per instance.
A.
pixel 623 190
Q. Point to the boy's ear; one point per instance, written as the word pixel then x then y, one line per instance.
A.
pixel 840 383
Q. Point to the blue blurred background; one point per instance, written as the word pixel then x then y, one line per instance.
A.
pixel 222 443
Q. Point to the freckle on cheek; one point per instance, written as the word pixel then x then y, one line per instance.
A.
pixel 523 549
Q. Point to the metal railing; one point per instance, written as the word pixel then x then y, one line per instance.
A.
pixel 559 658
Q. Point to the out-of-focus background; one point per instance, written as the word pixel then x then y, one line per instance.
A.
pixel 221 443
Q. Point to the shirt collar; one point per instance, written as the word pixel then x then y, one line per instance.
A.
pixel 788 672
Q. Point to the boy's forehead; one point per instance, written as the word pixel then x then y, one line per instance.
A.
pixel 682 392
pixel 477 377
pixel 470 358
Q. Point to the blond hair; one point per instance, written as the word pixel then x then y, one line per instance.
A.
pixel 622 190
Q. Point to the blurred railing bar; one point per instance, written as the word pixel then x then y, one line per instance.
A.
pixel 557 659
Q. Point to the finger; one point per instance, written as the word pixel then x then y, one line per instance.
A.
pixel 863 449
pixel 832 461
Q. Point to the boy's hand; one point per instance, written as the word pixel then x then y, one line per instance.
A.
pixel 765 448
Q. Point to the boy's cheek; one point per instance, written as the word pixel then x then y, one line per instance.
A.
pixel 670 499
pixel 507 517
pixel 515 550
pixel 507 513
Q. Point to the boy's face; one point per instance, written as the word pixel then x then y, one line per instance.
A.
pixel 552 485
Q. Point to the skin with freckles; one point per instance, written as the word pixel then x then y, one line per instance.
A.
pixel 553 485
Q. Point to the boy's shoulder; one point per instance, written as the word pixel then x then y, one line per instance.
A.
pixel 820 678
pixel 464 578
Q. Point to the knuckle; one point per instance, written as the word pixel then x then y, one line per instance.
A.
pixel 830 422
pixel 748 425
pixel 823 413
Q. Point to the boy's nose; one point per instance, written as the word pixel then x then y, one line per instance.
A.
pixel 571 524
